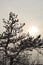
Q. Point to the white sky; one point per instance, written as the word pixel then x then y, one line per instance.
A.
pixel 29 11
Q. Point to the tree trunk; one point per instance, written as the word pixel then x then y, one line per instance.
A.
pixel 11 61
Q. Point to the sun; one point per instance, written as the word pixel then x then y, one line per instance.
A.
pixel 33 30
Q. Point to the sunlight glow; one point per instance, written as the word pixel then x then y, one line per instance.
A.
pixel 33 30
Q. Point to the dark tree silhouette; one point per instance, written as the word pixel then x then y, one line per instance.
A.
pixel 12 29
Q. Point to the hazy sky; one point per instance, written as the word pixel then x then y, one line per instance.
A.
pixel 29 11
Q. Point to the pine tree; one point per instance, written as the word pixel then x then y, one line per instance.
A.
pixel 12 29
